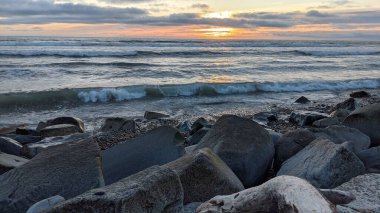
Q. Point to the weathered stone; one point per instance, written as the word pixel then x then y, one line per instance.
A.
pixel 27 131
pixel 31 150
pixel 340 114
pixel 10 146
pixel 8 162
pixel 302 100
pixel 306 118
pixel 199 124
pixel 197 136
pixel 371 159
pixel 349 104
pixel 324 164
pixel 280 194
pixel 243 145
pixel 338 196
pixel 68 170
pixel 366 189
pixel 154 115
pixel 118 124
pixel 156 147
pixel 360 94
pixel 291 143
pixel 325 122
pixel 263 118
pixel 190 149
pixel 46 204
pixel 59 130
pixel 62 120
pixel 340 134
pixel 24 139
pixel 204 175
pixel 367 120
pixel 152 190
pixel 184 127
pixel 275 136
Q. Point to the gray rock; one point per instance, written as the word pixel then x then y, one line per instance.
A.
pixel 291 143
pixel 118 124
pixel 10 146
pixel 280 194
pixel 24 139
pixel 27 131
pixel 371 159
pixel 197 136
pixel 152 190
pixel 324 164
pixel 46 204
pixel 184 127
pixel 62 120
pixel 204 175
pixel 191 207
pixel 154 115
pixel 340 114
pixel 349 104
pixel 199 124
pixel 68 170
pixel 59 130
pixel 156 147
pixel 338 196
pixel 340 134
pixel 306 118
pixel 263 118
pixel 302 100
pixel 8 162
pixel 367 120
pixel 360 94
pixel 325 122
pixel 190 149
pixel 31 150
pixel 342 209
pixel 243 145
pixel 366 189
pixel 275 136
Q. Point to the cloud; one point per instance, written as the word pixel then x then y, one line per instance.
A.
pixel 316 13
pixel 203 7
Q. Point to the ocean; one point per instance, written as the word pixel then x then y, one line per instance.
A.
pixel 43 77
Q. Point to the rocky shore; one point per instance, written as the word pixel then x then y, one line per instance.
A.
pixel 310 157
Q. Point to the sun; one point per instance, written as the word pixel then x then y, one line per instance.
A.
pixel 217 32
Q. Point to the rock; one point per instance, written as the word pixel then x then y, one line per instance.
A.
pixel 243 145
pixel 26 131
pixel 371 159
pixel 199 124
pixel 67 169
pixel 118 124
pixel 340 134
pixel 291 143
pixel 280 194
pixel 8 162
pixel 31 150
pixel 204 175
pixel 324 164
pixel 154 115
pixel 184 127
pixel 325 122
pixel 360 94
pixel 275 136
pixel 152 190
pixel 263 118
pixel 46 204
pixel 302 100
pixel 62 120
pixel 191 207
pixel 10 129
pixel 367 120
pixel 349 104
pixel 338 196
pixel 306 118
pixel 24 139
pixel 197 136
pixel 190 149
pixel 10 146
pixel 366 189
pixel 59 130
pixel 340 114
pixel 156 147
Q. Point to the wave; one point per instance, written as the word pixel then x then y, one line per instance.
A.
pixel 332 53
pixel 75 97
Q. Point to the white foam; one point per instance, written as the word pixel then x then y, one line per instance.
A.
pixel 106 95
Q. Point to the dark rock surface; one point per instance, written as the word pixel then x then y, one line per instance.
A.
pixel 8 162
pixel 10 146
pixel 306 118
pixel 371 159
pixel 154 115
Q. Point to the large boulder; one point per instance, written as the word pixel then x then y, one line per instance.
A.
pixel 324 164
pixel 10 146
pixel 371 159
pixel 325 122
pixel 204 175
pixel 156 147
pixel 367 120
pixel 291 143
pixel 306 118
pixel 197 136
pixel 62 120
pixel 199 124
pixel 67 169
pixel 243 145
pixel 118 124
pixel 340 114
pixel 24 139
pixel 59 130
pixel 280 194
pixel 340 134
pixel 8 162
pixel 152 190
pixel 349 104
pixel 366 189
pixel 45 204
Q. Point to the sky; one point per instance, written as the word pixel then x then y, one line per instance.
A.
pixel 199 19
